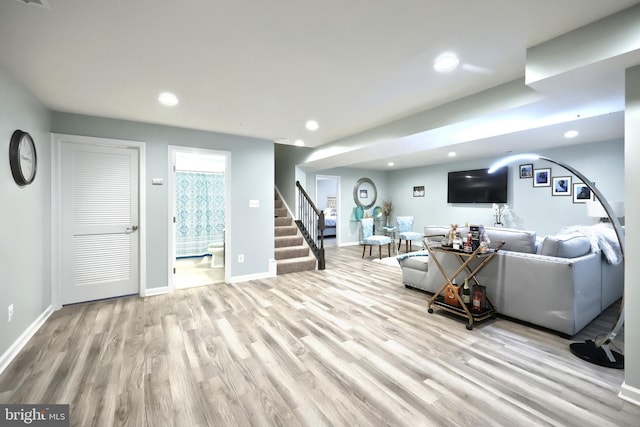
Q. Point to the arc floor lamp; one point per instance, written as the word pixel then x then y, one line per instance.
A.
pixel 598 350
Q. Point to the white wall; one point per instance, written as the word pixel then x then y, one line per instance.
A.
pixel 632 236
pixel 327 187
pixel 529 208
pixel 251 175
pixel 25 235
pixel 349 228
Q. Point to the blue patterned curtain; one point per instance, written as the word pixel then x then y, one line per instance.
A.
pixel 199 212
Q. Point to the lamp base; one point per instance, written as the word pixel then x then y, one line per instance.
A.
pixel 588 351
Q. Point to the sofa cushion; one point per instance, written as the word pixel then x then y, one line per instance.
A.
pixel 416 262
pixel 515 240
pixel 566 245
pixel 432 232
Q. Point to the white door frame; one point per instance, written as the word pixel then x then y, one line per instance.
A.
pixel 171 188
pixel 338 201
pixel 56 204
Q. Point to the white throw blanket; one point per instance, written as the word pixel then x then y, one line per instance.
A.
pixel 602 237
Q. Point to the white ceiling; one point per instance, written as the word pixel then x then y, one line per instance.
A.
pixel 262 68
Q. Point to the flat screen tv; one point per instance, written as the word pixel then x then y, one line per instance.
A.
pixel 477 186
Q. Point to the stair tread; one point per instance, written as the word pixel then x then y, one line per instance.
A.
pixel 292 237
pixel 297 259
pixel 288 252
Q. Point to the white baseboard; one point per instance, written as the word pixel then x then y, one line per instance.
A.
pixel 156 291
pixel 630 394
pixel 248 277
pixel 23 339
pixel 349 244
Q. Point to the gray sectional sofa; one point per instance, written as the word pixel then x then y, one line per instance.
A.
pixel 561 282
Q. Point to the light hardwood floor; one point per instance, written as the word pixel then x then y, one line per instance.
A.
pixel 347 346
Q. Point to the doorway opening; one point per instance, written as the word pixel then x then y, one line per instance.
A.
pixel 199 192
pixel 328 200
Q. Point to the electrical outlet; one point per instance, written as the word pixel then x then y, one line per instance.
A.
pixel 10 312
pixel 240 258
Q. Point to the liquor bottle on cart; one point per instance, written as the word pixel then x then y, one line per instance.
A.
pixel 466 292
pixel 477 298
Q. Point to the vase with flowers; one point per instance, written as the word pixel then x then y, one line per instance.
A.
pixel 387 209
pixel 498 213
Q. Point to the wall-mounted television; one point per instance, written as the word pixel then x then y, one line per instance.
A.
pixel 477 186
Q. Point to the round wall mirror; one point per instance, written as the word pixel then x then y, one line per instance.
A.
pixel 365 193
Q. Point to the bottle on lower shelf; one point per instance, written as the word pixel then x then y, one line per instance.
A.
pixel 466 292
pixel 477 299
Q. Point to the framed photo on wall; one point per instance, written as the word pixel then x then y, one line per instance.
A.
pixel 526 171
pixel 418 191
pixel 542 177
pixel 582 193
pixel 561 186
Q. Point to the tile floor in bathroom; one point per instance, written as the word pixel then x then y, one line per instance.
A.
pixel 196 271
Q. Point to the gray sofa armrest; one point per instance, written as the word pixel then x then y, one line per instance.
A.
pixel 414 271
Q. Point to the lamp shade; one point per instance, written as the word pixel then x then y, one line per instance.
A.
pixel 596 210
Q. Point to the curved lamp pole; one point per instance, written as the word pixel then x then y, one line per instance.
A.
pixel 595 351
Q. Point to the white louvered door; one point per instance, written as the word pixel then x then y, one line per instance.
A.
pixel 99 222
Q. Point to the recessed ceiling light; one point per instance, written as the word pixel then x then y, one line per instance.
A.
pixel 451 154
pixel 446 62
pixel 390 164
pixel 299 143
pixel 168 99
pixel 312 125
pixel 571 134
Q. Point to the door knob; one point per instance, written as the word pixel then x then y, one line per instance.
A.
pixel 132 228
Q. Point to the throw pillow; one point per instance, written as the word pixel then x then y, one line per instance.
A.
pixel 566 246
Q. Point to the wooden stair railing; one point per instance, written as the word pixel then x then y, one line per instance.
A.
pixel 311 224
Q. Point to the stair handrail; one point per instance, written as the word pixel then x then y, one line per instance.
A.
pixel 310 221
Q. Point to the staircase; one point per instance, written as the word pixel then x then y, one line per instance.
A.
pixel 291 251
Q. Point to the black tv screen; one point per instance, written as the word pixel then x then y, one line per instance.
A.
pixel 477 186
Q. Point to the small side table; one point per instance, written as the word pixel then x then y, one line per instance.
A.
pixel 391 232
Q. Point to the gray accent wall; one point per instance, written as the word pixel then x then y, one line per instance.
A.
pixel 251 176
pixel 286 159
pixel 25 235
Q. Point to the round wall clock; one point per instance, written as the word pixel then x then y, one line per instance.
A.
pixel 22 157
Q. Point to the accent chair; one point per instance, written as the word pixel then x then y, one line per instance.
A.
pixel 370 239
pixel 406 233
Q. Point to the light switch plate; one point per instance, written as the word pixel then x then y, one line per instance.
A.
pixel 254 203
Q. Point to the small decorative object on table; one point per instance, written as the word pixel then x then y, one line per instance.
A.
pixel 387 208
pixel 467 244
pixel 498 213
pixel 457 242
pixel 451 236
pixel 450 294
